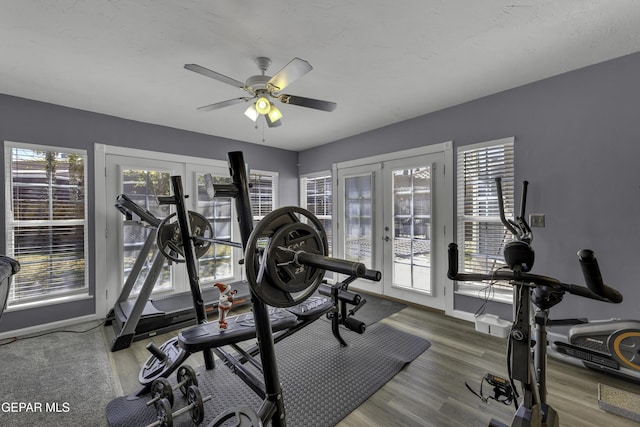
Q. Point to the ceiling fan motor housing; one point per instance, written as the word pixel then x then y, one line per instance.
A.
pixel 258 82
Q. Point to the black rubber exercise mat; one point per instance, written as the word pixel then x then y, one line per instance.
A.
pixel 322 382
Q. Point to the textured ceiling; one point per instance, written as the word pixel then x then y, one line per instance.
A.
pixel 381 61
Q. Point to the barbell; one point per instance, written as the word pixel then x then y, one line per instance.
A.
pixel 161 388
pixel 195 408
pixel 285 256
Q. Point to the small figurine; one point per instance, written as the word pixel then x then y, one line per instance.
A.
pixel 224 303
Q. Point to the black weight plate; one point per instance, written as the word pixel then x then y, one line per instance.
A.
pixel 240 416
pixel 282 269
pixel 155 368
pixel 256 253
pixel 200 227
pixel 164 414
pixel 186 377
pixel 161 389
pixel 194 400
pixel 169 239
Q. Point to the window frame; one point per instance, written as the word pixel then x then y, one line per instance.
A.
pixel 328 176
pixel 10 223
pixel 498 292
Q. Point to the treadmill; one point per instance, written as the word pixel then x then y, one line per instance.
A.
pixel 141 317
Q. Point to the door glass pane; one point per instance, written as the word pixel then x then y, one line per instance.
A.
pixel 358 218
pixel 216 263
pixel 143 186
pixel 412 228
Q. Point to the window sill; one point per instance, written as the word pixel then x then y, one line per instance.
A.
pixel 48 302
pixel 502 297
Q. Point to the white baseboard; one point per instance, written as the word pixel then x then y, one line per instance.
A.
pixel 462 315
pixel 48 327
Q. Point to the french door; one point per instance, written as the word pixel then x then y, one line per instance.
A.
pixel 393 215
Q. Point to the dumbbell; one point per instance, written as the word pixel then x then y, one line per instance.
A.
pixel 161 388
pixel 195 407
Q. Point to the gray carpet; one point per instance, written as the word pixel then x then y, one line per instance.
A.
pixel 61 379
pixel 322 382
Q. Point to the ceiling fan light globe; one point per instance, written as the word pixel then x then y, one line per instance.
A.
pixel 252 113
pixel 263 106
pixel 274 113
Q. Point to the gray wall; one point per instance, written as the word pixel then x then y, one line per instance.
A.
pixel 577 143
pixel 34 122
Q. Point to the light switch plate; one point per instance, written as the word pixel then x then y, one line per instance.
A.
pixel 536 220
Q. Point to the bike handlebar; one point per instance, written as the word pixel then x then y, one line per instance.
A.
pixel 593 278
pixel 596 288
pixel 503 219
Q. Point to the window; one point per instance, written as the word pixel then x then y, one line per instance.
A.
pixel 481 235
pixel 317 198
pixel 46 215
pixel 262 193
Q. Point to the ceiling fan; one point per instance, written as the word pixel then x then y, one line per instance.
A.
pixel 263 89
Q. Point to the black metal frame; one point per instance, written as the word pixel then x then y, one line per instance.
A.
pixel 269 388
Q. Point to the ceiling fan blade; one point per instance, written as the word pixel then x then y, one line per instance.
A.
pixel 212 74
pixel 295 69
pixel 270 123
pixel 308 102
pixel 222 104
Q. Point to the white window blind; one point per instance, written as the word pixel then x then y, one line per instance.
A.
pixel 217 263
pixel 481 235
pixel 317 198
pixel 262 193
pixel 46 221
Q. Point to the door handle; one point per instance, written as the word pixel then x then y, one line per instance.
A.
pixel 386 238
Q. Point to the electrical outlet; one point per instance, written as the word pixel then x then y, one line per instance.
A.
pixel 536 220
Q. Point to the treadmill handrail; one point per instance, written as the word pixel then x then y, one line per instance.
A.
pixel 130 208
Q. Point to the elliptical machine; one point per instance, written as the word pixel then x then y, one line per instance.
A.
pixel 526 354
pixel 610 346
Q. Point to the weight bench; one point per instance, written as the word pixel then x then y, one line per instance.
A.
pixel 242 327
pixel 284 322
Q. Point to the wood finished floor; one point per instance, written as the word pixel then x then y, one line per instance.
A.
pixel 431 390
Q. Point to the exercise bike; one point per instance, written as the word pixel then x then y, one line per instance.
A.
pixel 527 350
